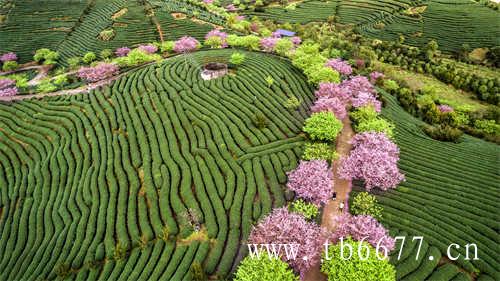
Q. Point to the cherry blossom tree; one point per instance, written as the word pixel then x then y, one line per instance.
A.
pixel 284 227
pixel 443 108
pixel 186 44
pixel 362 227
pixel 333 90
pixel 148 49
pixel 373 159
pixel 362 99
pixel 98 72
pixel 122 52
pixel 332 104
pixel 312 181
pixel 6 83
pixel 268 43
pixel 375 76
pixel 8 57
pixel 339 65
pixel 216 39
pixel 296 40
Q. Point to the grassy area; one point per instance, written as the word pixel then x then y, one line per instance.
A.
pixel 479 70
pixel 446 93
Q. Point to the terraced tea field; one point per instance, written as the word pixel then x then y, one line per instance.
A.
pixel 449 196
pixel 112 184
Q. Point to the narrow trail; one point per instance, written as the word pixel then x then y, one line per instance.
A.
pixel 342 188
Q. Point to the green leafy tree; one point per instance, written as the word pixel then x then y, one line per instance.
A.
pixel 237 58
pixel 366 204
pixel 292 103
pixel 308 210
pixel 197 272
pixel 378 125
pixel 319 151
pixel 319 73
pixel 10 65
pixel 263 268
pixel 106 54
pixel 46 56
pixel 322 126
pixel 283 46
pixel 73 62
pixel 269 80
pixel 89 57
pixel 366 266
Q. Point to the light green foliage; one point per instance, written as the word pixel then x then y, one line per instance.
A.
pixel 308 210
pixel 264 269
pixel 366 120
pixel 73 62
pixel 89 57
pixel 378 125
pixel 197 273
pixel 366 204
pixel 319 151
pixel 46 55
pixel 237 58
pixel 21 80
pixel 355 269
pixel 308 58
pixel 319 73
pixel 292 103
pixel 46 86
pixel 487 126
pixel 283 46
pixel 60 79
pixel 136 57
pixel 322 126
pixel 251 42
pixel 390 85
pixel 213 42
pixel 106 54
pixel 9 65
pixel 167 46
pixel 269 81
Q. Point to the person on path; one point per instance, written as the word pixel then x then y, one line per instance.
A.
pixel 341 206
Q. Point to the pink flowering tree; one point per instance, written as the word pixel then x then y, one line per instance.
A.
pixel 333 90
pixel 148 49
pixel 362 99
pixel 443 108
pixel 359 84
pixel 296 40
pixel 339 65
pixel 376 76
pixel 283 227
pixel 362 227
pixel 122 52
pixel 208 1
pixel 186 44
pixel 8 88
pixel 99 72
pixel 8 57
pixel 231 8
pixel 216 39
pixel 373 159
pixel 268 43
pixel 312 181
pixel 332 104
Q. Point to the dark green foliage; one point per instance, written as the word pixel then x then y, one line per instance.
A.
pixel 443 133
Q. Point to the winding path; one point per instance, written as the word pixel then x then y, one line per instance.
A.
pixel 342 188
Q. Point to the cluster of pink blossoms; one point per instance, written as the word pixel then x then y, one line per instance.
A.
pixel 220 34
pixel 186 44
pixel 148 49
pixel 362 227
pixel 231 8
pixel 312 181
pixel 296 40
pixel 375 76
pixel 268 43
pixel 8 88
pixel 332 104
pixel 208 1
pixel 339 65
pixel 122 52
pixel 8 57
pixel 333 90
pixel 374 159
pixel 283 227
pixel 443 108
pixel 99 72
pixel 357 91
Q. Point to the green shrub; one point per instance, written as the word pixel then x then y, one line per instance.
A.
pixel 106 54
pixel 89 57
pixel 136 57
pixel 391 86
pixel 60 79
pixel 73 62
pixel 322 126
pixel 292 103
pixel 363 114
pixel 21 80
pixel 283 46
pixel 62 270
pixel 10 65
pixel 237 58
pixel 319 73
pixel 366 204
pixel 263 268
pixel 308 210
pixel 167 46
pixel 378 125
pixel 46 56
pixel 269 80
pixel 443 133
pixel 260 121
pixel 319 151
pixel 197 273
pixel 355 269
pixel 45 86
pixel 487 126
